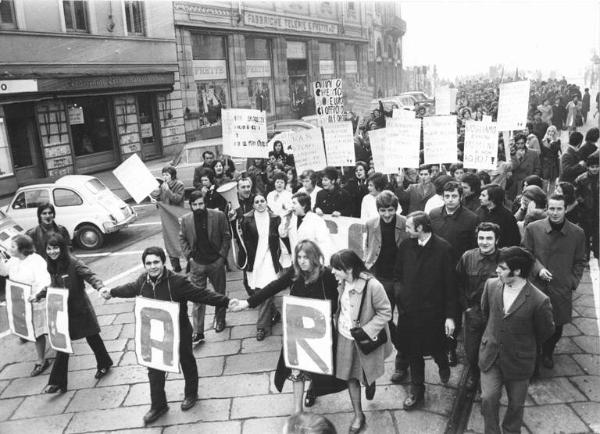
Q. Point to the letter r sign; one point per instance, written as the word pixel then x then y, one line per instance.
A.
pixel 307 334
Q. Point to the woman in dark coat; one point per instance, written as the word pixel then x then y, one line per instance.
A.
pixel 46 227
pixel 308 279
pixel 550 155
pixel 68 272
pixel 357 187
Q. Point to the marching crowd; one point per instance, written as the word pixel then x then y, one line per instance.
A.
pixel 493 255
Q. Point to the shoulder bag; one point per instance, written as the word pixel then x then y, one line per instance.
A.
pixel 362 339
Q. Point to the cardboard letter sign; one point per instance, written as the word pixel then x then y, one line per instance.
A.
pixel 157 334
pixel 57 312
pixel 307 339
pixel 20 312
pixel 347 233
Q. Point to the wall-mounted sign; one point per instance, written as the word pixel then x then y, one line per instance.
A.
pixel 210 70
pixel 146 130
pixel 188 11
pixel 351 66
pixel 326 67
pixel 299 25
pixel 296 50
pixel 258 68
pixel 18 86
pixel 76 115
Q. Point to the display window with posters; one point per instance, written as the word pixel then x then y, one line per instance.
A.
pixel 258 70
pixel 211 77
pixel 6 168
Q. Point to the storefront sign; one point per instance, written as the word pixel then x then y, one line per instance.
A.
pixel 105 82
pixel 18 86
pixel 296 50
pixel 57 151
pixel 351 66
pixel 258 68
pixel 55 163
pixel 146 130
pixel 210 70
pixel 187 11
pixel 326 67
pixel 329 100
pixel 76 115
pixel 262 20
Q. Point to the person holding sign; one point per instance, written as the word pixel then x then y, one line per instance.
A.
pixel 308 278
pixel 160 283
pixel 27 267
pixel 68 272
pixel 363 311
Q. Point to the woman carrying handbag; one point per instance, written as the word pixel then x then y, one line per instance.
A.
pixel 362 329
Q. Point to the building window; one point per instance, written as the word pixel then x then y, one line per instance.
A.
pixel 326 61
pixel 258 71
pixel 209 55
pixel 90 123
pixel 75 15
pixel 7 15
pixel 134 15
pixel 351 59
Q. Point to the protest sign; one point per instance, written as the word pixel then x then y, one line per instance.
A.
pixel 329 100
pixel 403 143
pixel 339 144
pixel 157 334
pixel 308 149
pixel 481 145
pixel 513 105
pixel 486 118
pixel 307 334
pixel 19 310
pixel 442 100
pixel 402 113
pixel 439 139
pixel 136 178
pixel 245 133
pixel 346 233
pixel 377 140
pixel 57 312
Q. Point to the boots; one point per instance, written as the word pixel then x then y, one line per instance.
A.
pixel 175 264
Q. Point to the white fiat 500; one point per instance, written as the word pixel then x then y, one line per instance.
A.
pixel 84 205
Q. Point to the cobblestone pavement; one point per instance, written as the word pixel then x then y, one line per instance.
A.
pixel 237 394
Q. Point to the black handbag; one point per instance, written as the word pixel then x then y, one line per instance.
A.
pixel 362 339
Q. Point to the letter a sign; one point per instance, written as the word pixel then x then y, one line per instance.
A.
pixel 20 312
pixel 57 311
pixel 157 334
pixel 307 339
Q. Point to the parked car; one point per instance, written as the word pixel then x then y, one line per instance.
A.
pixel 84 206
pixel 394 102
pixel 424 104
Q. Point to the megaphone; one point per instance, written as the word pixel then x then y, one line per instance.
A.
pixel 229 192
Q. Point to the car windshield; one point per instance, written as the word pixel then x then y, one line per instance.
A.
pixel 95 185
pixel 419 96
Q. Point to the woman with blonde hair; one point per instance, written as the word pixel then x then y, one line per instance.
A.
pixel 550 156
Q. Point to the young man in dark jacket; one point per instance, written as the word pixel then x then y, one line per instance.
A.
pixel 159 283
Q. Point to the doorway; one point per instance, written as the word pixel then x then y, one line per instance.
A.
pixel 24 140
pixel 149 132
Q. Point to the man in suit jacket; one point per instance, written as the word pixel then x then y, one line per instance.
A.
pixel 559 248
pixel 519 318
pixel 205 238
pixel 571 163
pixel 384 235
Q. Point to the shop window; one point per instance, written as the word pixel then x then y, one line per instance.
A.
pixel 212 98
pixel 326 60
pixel 65 197
pixel 134 15
pixel 205 47
pixel 5 160
pixel 90 125
pixel 75 15
pixel 258 71
pixel 31 199
pixel 7 15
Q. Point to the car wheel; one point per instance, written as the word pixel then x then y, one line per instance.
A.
pixel 89 237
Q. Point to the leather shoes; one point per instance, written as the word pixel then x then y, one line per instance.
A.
pixel 220 326
pixel 399 376
pixel 188 402
pixel 101 372
pixel 370 391
pixel 452 358
pixel 356 428
pixel 53 388
pixel 154 414
pixel 444 375
pixel 548 362
pixel 413 400
pixel 260 334
pixel 276 318
pixel 310 398
pixel 38 368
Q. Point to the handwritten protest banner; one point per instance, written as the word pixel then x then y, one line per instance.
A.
pixel 329 100
pixel 346 233
pixel 136 178
pixel 339 144
pixel 513 105
pixel 245 133
pixel 308 149
pixel 481 145
pixel 442 100
pixel 403 143
pixel 402 113
pixel 19 310
pixel 377 139
pixel 157 334
pixel 57 312
pixel 439 139
pixel 307 334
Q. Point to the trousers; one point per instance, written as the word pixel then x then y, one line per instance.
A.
pixel 60 369
pixel 491 391
pixel 417 368
pixel 187 361
pixel 199 274
pixel 401 359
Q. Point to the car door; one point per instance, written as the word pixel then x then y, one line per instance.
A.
pixel 23 208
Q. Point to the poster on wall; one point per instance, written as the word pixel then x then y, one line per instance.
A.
pixel 245 133
pixel 339 144
pixel 329 100
pixel 440 139
pixel 481 145
pixel 57 312
pixel 157 334
pixel 76 115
